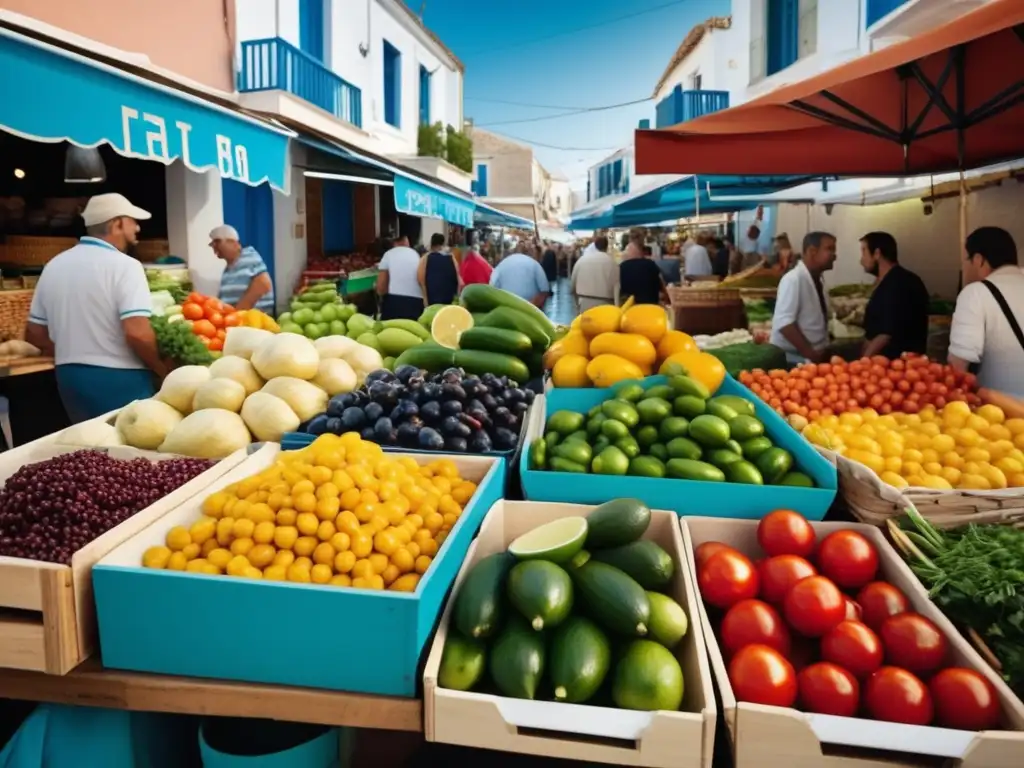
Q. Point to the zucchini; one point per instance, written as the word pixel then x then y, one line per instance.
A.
pixel 514 320
pixel 429 356
pixel 484 298
pixel 479 605
pixel 610 596
pixel 617 522
pixel 496 340
pixel 480 362
pixel 650 565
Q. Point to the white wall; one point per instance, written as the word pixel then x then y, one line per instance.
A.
pixel 255 20
pixel 289 238
pixel 929 245
pixel 626 154
pixel 194 207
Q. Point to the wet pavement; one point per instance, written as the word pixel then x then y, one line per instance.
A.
pixel 560 307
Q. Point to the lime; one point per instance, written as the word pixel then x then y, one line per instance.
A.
pixel 462 663
pixel 557 541
pixel 668 622
pixel 449 324
pixel 647 678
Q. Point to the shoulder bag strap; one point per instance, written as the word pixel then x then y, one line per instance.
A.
pixel 1007 312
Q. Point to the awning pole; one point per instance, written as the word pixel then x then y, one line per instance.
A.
pixel 696 197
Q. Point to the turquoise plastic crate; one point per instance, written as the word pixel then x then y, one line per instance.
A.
pixel 177 623
pixel 687 497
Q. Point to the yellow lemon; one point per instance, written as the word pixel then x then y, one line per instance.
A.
pixel 571 372
pixel 993 414
pixel 862 443
pixel 943 443
pixel 912 468
pixel 1010 466
pixel 976 454
pixel 957 407
pixel 935 482
pixel 967 437
pixel 913 455
pixel 1015 425
pixel 156 557
pixel 953 459
pixel 951 475
pixel 932 468
pixel 973 482
pixel 1016 481
pixel 178 538
pixel 893 464
pixel 893 479
pixel 994 475
pixel 872 461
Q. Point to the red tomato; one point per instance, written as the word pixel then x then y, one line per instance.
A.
pixel 964 699
pixel 192 311
pixel 727 577
pixel 828 689
pixel 897 696
pixel 913 642
pixel 784 532
pixel 761 675
pixel 704 552
pixel 848 558
pixel 854 646
pixel 752 622
pixel 216 318
pixel 813 606
pixel 853 611
pixel 880 600
pixel 781 572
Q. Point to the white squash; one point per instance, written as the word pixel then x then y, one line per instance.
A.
pixel 179 388
pixel 212 433
pixel 268 417
pixel 146 423
pixel 286 354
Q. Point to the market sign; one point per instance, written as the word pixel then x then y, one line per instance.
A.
pixel 51 94
pixel 418 199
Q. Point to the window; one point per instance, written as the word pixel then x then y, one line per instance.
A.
pixel 392 85
pixel 617 176
pixel 791 30
pixel 695 81
pixel 807 29
pixel 424 96
pixel 311 28
pixel 588 189
pixel 480 182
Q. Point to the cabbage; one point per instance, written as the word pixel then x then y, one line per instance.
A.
pixel 226 394
pixel 286 354
pixel 146 423
pixel 307 400
pixel 179 388
pixel 335 377
pixel 242 341
pixel 91 434
pixel 268 417
pixel 212 433
pixel 334 346
pixel 364 360
pixel 239 369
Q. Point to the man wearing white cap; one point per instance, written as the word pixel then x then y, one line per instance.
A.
pixel 91 310
pixel 245 283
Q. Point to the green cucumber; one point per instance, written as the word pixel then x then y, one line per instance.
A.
pixel 480 362
pixel 650 565
pixel 479 604
pixel 429 356
pixel 579 660
pixel 541 592
pixel 517 660
pixel 462 663
pixel 408 325
pixel 610 596
pixel 617 522
pixel 496 340
pixel 514 320
pixel 480 297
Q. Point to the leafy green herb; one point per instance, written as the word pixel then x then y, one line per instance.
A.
pixel 975 575
pixel 177 342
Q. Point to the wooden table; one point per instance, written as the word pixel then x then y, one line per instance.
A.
pixel 18 366
pixel 90 685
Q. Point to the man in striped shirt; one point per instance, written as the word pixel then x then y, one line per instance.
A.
pixel 245 283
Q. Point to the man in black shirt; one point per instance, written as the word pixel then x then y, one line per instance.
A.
pixel 896 318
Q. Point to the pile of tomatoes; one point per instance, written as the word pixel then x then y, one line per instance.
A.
pixel 904 385
pixel 811 624
pixel 210 319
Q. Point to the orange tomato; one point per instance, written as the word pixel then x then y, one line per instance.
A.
pixel 196 298
pixel 216 345
pixel 192 311
pixel 232 319
pixel 211 306
pixel 204 328
pixel 216 318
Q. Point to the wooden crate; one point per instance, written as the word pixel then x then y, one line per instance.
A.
pixel 47 614
pixel 588 733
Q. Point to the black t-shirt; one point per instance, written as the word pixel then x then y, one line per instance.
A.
pixel 899 308
pixel 641 279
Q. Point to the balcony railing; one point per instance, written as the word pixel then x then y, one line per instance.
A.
pixel 680 106
pixel 274 64
pixel 878 9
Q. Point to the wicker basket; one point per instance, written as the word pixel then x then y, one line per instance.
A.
pixel 33 251
pixel 757 294
pixel 874 502
pixel 701 296
pixel 14 307
pixel 151 250
pixel 748 272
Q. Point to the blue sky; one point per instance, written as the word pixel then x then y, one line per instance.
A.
pixel 535 52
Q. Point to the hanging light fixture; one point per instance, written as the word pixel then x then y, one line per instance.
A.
pixel 84 166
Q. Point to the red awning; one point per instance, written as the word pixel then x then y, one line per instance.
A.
pixel 950 98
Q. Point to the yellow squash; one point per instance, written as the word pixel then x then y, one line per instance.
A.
pixel 632 346
pixel 609 370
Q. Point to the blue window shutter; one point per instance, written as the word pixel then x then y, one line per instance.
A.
pixel 588 188
pixel 645 125
pixel 311 28
pixel 250 210
pixel 480 185
pixel 424 96
pixel 392 85
pixel 617 176
pixel 783 33
pixel 338 222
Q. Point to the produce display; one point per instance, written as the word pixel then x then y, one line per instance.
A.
pixel 812 625
pixel 974 576
pixel 849 302
pixel 339 512
pixel 609 344
pixel 174 281
pixel 51 509
pixel 542 619
pixel 906 384
pixel 724 339
pixel 944 448
pixel 748 356
pixel 449 411
pixel 676 430
pixel 316 311
pixel 176 342
pixel 209 319
pixel 343 264
pixel 264 385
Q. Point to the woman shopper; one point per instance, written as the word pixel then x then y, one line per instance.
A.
pixel 474 267
pixel 438 274
pixel 397 284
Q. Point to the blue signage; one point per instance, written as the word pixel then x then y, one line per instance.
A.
pixel 421 200
pixel 52 95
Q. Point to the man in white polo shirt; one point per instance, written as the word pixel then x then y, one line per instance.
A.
pixel 91 310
